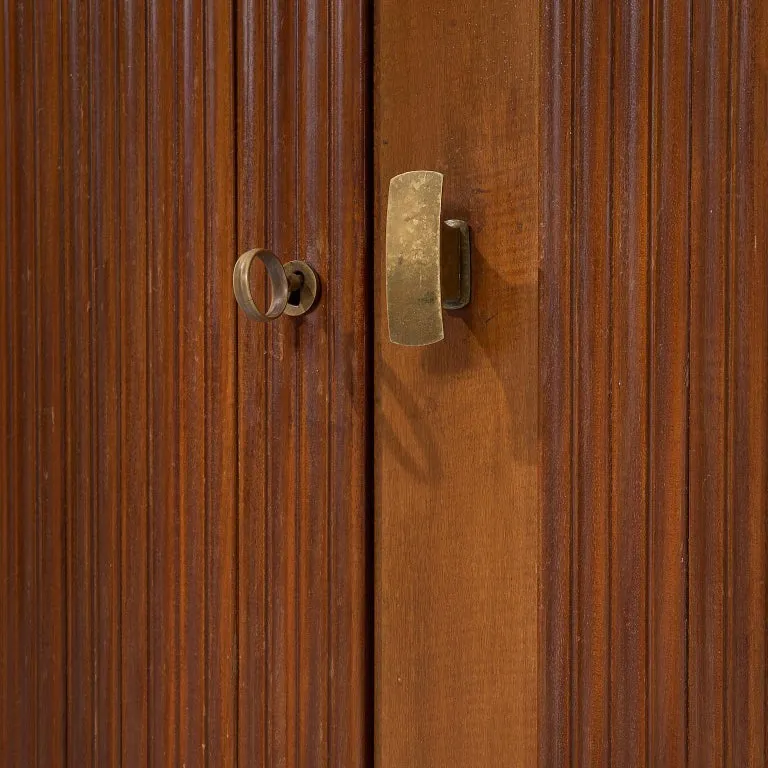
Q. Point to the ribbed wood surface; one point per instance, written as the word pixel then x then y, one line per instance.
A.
pixel 654 383
pixel 183 543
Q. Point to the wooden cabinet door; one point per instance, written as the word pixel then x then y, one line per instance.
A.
pixel 183 545
pixel 570 488
pixel 541 541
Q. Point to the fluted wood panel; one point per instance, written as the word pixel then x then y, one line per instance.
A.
pixel 184 543
pixel 653 365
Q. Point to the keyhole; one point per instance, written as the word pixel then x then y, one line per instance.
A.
pixel 295 284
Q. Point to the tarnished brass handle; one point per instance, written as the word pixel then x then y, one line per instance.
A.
pixel 294 286
pixel 428 260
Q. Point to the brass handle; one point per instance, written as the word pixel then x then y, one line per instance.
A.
pixel 428 260
pixel 294 286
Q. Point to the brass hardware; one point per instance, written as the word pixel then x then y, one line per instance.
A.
pixel 295 286
pixel 428 261
pixel 303 285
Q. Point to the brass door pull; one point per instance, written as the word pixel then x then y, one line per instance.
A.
pixel 428 260
pixel 295 286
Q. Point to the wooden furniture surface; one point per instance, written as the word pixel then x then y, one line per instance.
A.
pixel 183 546
pixel 653 373
pixel 455 423
pixel 569 493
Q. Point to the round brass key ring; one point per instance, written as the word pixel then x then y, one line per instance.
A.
pixel 294 286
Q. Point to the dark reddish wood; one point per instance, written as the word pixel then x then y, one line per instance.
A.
pixel 5 406
pixel 349 475
pixel 629 399
pixel 748 652
pixel 81 482
pixel 668 392
pixel 134 424
pixel 105 376
pixel 686 416
pixel 710 445
pixel 50 412
pixel 556 370
pixel 184 528
pixel 163 113
pixel 20 667
pixel 221 570
pixel 313 131
pixel 253 411
pixel 191 247
pixel 282 369
pixel 591 385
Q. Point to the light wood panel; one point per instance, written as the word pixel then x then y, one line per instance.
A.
pixel 455 425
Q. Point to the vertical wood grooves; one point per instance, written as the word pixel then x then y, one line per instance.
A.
pixel 221 596
pixel 51 489
pixel 105 313
pixel 269 227
pixel 134 481
pixel 350 268
pixel 649 374
pixel 709 275
pixel 555 407
pixel 23 434
pixel 574 412
pixel 183 496
pixel 283 382
pixel 313 506
pixel 194 475
pixel 163 206
pixel 591 311
pixel 669 482
pixel 253 413
pixel 611 345
pixel 5 408
pixel 733 265
pixel 728 596
pixel 686 415
pixel 747 674
pixel 76 248
pixel 34 355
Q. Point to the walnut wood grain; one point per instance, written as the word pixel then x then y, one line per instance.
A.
pixel 50 411
pixel 668 390
pixel 253 413
pixel 105 372
pixel 555 404
pixel 709 390
pixel 20 667
pixel 134 381
pixel 184 549
pixel 592 232
pixel 6 597
pixel 679 434
pixel 748 657
pixel 629 401
pixel 81 482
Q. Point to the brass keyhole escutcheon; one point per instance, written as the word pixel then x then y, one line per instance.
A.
pixel 295 286
pixel 303 288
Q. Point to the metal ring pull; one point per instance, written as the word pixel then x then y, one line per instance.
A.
pixel 294 286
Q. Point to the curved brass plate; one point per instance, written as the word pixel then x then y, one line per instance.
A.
pixel 414 305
